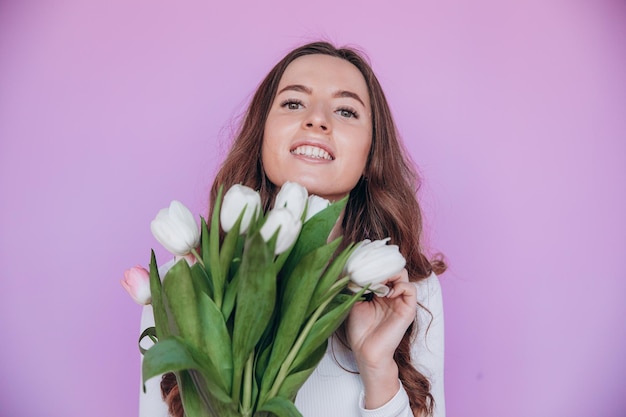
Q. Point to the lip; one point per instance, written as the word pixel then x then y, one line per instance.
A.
pixel 315 143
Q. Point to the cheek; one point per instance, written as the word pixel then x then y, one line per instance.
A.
pixel 268 144
pixel 269 147
pixel 271 140
pixel 270 159
pixel 267 153
pixel 357 164
pixel 366 146
pixel 365 154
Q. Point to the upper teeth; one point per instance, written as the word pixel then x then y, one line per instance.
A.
pixel 312 151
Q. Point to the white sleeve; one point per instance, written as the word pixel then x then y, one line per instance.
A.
pixel 428 348
pixel 151 402
pixel 398 406
pixel 426 354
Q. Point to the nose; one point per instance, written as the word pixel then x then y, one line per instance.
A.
pixel 318 119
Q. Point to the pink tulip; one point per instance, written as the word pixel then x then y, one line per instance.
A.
pixel 137 283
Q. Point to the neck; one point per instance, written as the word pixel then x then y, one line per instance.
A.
pixel 337 229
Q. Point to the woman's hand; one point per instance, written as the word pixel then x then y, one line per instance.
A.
pixel 374 330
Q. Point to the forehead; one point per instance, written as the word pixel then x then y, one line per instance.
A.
pixel 326 74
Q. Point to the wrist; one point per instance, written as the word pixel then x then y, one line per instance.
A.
pixel 380 382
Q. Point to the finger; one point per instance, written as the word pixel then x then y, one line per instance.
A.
pixel 400 289
pixel 384 288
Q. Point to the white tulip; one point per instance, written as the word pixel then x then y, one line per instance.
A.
pixel 373 263
pixel 315 205
pixel 293 196
pixel 289 228
pixel 236 199
pixel 175 228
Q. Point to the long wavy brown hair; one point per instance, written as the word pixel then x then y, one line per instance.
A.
pixel 382 204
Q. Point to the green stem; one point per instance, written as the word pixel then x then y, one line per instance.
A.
pixel 236 392
pixel 340 283
pixel 198 257
pixel 246 404
pixel 218 295
pixel 284 369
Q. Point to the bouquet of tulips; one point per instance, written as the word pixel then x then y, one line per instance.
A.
pixel 243 317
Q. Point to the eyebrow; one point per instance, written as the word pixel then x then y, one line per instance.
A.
pixel 304 89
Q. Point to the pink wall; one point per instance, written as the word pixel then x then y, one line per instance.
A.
pixel 514 113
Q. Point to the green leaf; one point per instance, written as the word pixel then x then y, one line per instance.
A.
pixel 297 378
pixel 149 332
pixel 201 280
pixel 236 261
pixel 191 394
pixel 262 359
pixel 198 400
pixel 214 251
pixel 169 355
pixel 173 355
pixel 280 407
pixel 205 247
pixel 304 279
pixel 216 341
pixel 256 298
pixel 314 233
pixel 323 328
pixel 312 360
pixel 158 308
pixel 230 297
pixel 265 345
pixel 182 302
pixel 295 301
pixel 328 279
pixel 229 246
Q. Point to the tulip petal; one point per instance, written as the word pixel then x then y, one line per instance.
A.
pixel 292 196
pixel 315 204
pixel 288 227
pixel 374 263
pixel 175 228
pixel 137 283
pixel 237 200
pixel 314 233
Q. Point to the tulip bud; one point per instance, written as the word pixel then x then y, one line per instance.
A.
pixel 373 263
pixel 176 229
pixel 315 205
pixel 289 228
pixel 137 283
pixel 239 198
pixel 293 196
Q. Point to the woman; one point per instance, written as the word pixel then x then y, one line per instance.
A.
pixel 326 124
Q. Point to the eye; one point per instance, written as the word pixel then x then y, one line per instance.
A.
pixel 291 104
pixel 348 113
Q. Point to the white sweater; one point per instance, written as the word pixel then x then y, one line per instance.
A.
pixel 333 390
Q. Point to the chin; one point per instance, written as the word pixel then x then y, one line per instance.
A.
pixel 314 184
pixel 305 180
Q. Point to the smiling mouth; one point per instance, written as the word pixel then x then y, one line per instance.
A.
pixel 312 152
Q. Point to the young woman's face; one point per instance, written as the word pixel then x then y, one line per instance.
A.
pixel 319 129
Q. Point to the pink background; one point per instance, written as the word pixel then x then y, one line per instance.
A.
pixel 515 114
